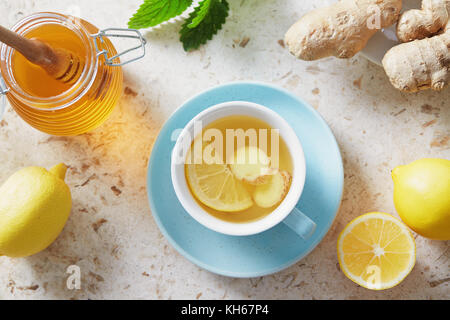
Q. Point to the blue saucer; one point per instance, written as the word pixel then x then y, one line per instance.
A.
pixel 279 247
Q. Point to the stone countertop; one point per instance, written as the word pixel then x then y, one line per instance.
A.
pixel 111 234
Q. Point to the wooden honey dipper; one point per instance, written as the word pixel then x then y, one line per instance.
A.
pixel 59 63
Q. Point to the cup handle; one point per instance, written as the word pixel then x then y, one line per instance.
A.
pixel 300 224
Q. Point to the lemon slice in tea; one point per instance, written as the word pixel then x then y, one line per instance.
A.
pixel 212 182
pixel 215 186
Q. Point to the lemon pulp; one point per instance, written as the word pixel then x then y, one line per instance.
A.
pixel 216 187
pixel 376 250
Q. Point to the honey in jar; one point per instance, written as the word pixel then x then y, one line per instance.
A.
pixel 56 107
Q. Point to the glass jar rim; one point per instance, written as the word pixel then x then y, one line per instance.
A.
pixel 77 90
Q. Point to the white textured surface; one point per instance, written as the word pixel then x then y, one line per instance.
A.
pixel 127 257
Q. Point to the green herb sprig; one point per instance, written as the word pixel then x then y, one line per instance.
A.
pixel 202 24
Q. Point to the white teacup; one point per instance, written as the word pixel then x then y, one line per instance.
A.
pixel 286 212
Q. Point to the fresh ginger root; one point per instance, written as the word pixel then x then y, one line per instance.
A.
pixel 251 165
pixel 424 23
pixel 274 191
pixel 420 64
pixel 342 29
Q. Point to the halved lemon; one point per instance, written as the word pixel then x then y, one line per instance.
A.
pixel 376 251
pixel 215 186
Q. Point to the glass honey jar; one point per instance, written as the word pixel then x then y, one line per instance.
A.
pixel 56 107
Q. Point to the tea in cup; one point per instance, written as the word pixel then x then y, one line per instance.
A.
pixel 233 170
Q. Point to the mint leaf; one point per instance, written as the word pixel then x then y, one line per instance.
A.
pixel 153 12
pixel 203 10
pixel 203 23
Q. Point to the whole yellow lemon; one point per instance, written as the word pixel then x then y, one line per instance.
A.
pixel 34 207
pixel 422 197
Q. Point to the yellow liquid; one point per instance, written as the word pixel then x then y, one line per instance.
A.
pixel 254 213
pixel 32 78
pixel 80 116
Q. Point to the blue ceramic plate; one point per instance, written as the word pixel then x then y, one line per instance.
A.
pixel 279 247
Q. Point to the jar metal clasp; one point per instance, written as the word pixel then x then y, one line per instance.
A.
pixel 3 91
pixel 119 33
